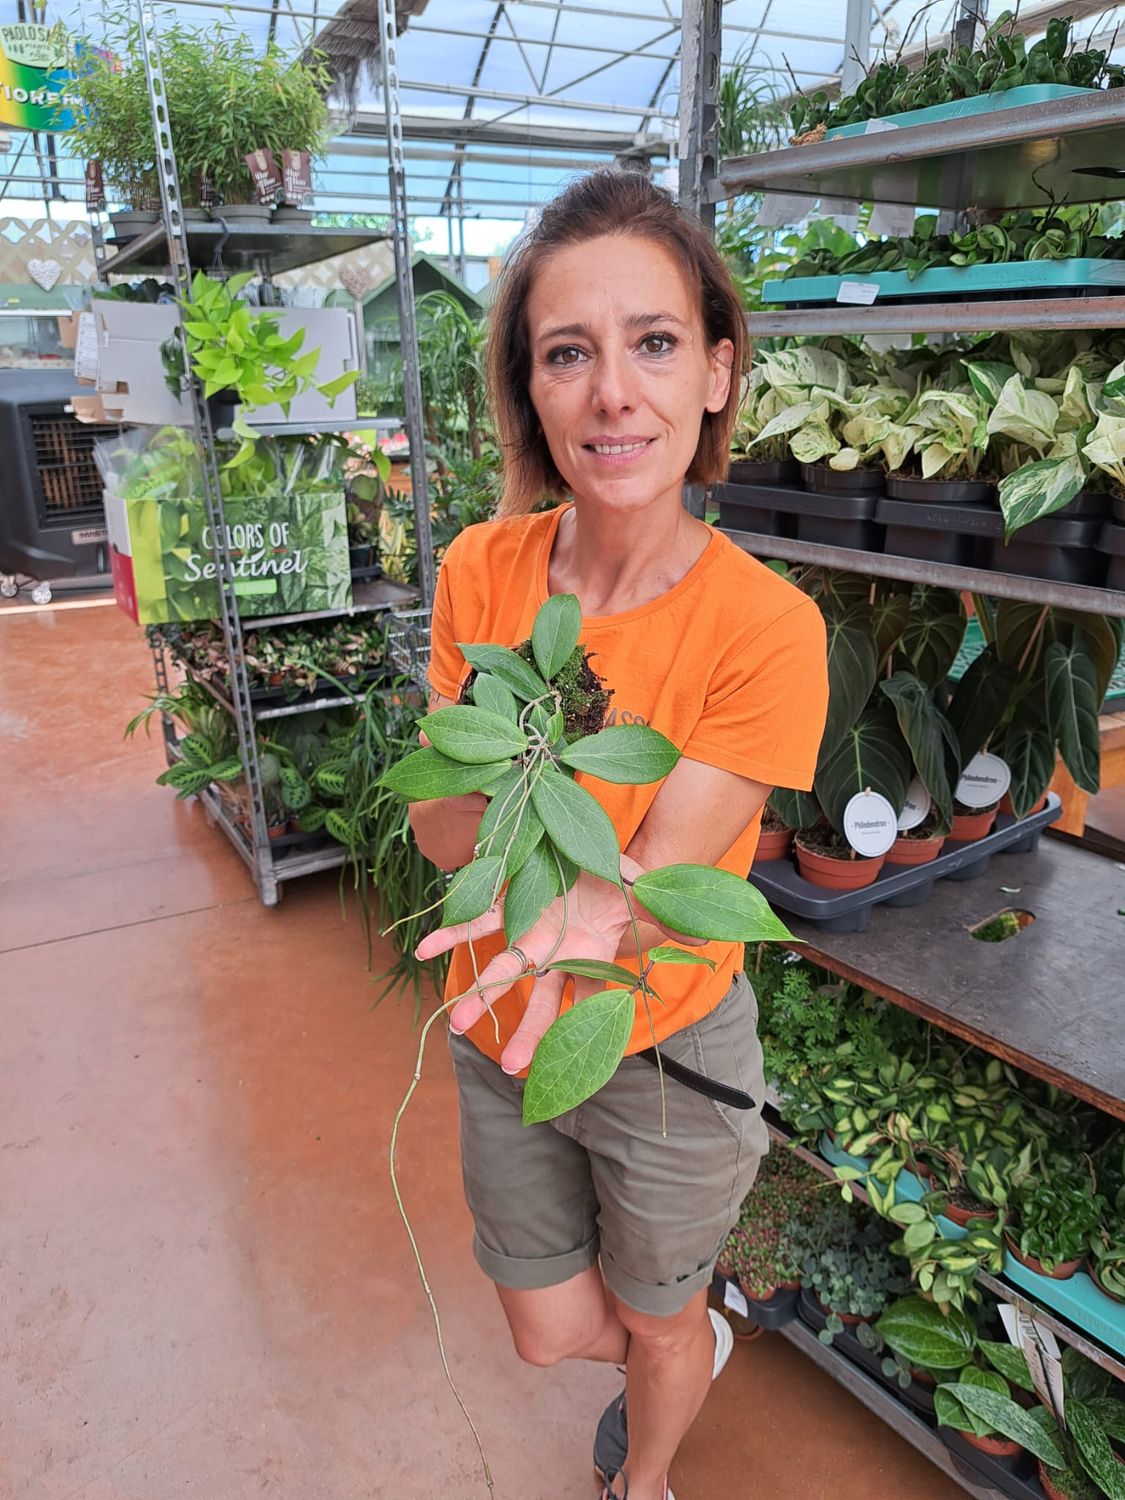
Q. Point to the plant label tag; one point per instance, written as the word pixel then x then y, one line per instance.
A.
pixel 873 127
pixel 296 170
pixel 916 808
pixel 268 181
pixel 87 536
pixel 983 781
pixel 735 1298
pixel 859 292
pixel 870 823
pixel 1041 1350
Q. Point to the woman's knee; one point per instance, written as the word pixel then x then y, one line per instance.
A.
pixel 556 1323
pixel 670 1334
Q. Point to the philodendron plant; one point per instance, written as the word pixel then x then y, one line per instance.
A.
pixel 541 828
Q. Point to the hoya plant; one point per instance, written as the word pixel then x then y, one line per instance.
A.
pixel 541 828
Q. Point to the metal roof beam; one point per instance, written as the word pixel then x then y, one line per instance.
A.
pixel 372 122
pixel 529 101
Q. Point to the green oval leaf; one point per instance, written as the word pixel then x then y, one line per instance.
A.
pixel 1029 751
pixel 1003 1415
pixel 510 827
pixel 530 891
pixel 1098 1458
pixel 707 903
pixel 472 891
pixel 1072 712
pixel 577 824
pixel 851 672
pixel 950 1412
pixel 678 956
pixel 554 634
pixel 1010 1361
pixel 489 692
pixel 918 1330
pixel 473 736
pixel 629 754
pixel 933 632
pixel 978 702
pixel 197 750
pixel 595 968
pixel 511 669
pixel 578 1054
pixel 426 774
pixel 873 754
pixel 929 737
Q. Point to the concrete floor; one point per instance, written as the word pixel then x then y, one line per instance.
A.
pixel 205 1289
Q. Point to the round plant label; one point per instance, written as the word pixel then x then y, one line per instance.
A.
pixel 916 808
pixel 870 823
pixel 983 781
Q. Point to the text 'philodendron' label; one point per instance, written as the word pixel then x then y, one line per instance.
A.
pixel 983 781
pixel 916 808
pixel 870 824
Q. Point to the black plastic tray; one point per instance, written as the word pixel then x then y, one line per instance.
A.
pixel 898 885
pixel 772 1314
pixel 1118 502
pixel 845 520
pixel 1017 1477
pixel 937 532
pixel 1112 541
pixel 1092 503
pixel 940 491
pixel 917 1396
pixel 1062 550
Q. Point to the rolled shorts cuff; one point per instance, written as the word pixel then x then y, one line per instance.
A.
pixel 655 1301
pixel 530 1275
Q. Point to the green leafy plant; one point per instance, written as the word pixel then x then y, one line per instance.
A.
pixel 1056 1221
pixel 758 1252
pixel 846 1263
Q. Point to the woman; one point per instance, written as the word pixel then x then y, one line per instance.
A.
pixel 614 358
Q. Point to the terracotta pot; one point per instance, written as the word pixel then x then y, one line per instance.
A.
pixel 954 1212
pixel 837 874
pixel 915 851
pixel 850 1320
pixel 994 1444
pixel 1062 1272
pixel 923 1377
pixel 1006 805
pixel 1105 1291
pixel 968 826
pixel 790 1286
pixel 773 843
pixel 1049 1489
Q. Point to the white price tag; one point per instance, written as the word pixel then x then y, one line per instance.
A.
pixel 983 781
pixel 1041 1350
pixel 88 535
pixel 735 1298
pixel 873 127
pixel 916 808
pixel 86 348
pixel 870 823
pixel 863 292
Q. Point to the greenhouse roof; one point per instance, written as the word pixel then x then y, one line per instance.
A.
pixel 504 100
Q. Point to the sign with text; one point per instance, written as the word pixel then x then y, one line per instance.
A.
pixel 983 781
pixel 870 824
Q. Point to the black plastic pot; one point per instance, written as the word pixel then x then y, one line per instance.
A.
pixel 917 1396
pixel 1119 508
pixel 940 491
pixel 1112 541
pixel 941 532
pixel 774 471
pixel 822 479
pixel 1094 503
pixel 1011 1476
pixel 832 520
pixel 361 557
pixel 223 406
pixel 1062 550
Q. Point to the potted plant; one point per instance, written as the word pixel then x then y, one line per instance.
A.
pixel 775 839
pixel 845 1266
pixel 1073 1449
pixel 1054 1225
pixel 363 538
pixel 753 462
pixel 947 437
pixel 759 1253
pixel 917 846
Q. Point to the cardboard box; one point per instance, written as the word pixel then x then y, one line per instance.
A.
pixel 131 368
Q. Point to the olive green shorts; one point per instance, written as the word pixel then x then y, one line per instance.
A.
pixel 600 1182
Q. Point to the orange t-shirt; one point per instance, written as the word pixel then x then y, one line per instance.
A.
pixel 729 664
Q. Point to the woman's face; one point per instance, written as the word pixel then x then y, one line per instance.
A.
pixel 620 369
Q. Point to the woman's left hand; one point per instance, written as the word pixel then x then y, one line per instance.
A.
pixel 597 918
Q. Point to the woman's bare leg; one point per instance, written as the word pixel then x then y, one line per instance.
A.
pixel 577 1319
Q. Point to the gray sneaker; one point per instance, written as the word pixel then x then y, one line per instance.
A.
pixel 611 1440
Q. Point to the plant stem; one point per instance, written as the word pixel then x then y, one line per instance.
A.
pixel 642 976
pixel 1034 636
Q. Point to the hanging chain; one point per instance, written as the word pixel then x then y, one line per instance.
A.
pixel 408 323
pixel 180 260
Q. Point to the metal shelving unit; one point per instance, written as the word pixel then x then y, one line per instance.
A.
pixel 175 247
pixel 1069 149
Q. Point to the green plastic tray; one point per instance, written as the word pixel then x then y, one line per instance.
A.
pixel 957 281
pixel 1077 1299
pixel 983 104
pixel 973 644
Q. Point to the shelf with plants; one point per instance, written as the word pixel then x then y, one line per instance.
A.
pixel 938 1135
pixel 260 507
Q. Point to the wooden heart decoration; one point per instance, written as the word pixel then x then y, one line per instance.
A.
pixel 355 280
pixel 44 273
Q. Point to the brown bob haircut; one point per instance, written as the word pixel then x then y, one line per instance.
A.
pixel 602 203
